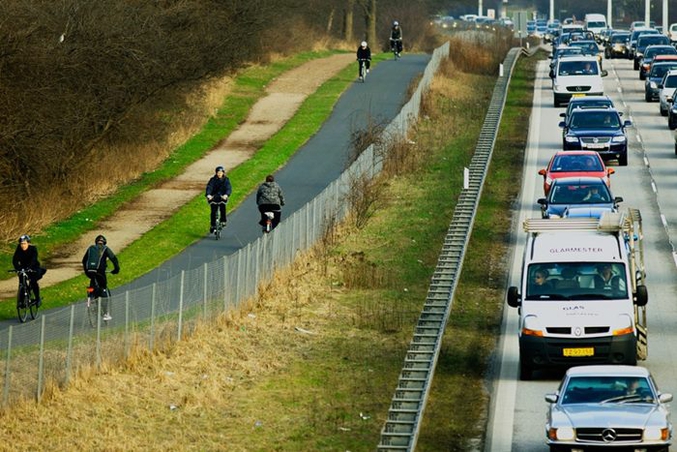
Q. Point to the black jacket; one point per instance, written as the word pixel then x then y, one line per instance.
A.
pixel 218 187
pixel 26 259
pixel 363 54
pixel 104 253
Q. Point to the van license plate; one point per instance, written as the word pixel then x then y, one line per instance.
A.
pixel 587 351
pixel 578 95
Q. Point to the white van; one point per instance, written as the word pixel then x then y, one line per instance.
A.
pixel 576 75
pixel 595 23
pixel 672 33
pixel 581 297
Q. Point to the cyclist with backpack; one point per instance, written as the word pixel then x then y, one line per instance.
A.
pixel 94 265
pixel 269 198
pixel 26 258
pixel 396 38
pixel 217 192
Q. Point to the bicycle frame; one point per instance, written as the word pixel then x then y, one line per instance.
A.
pixel 24 303
pixel 218 227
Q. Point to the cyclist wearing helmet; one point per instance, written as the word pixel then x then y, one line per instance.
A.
pixel 217 193
pixel 396 38
pixel 94 266
pixel 363 53
pixel 26 258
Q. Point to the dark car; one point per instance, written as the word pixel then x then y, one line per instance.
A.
pixel 644 41
pixel 597 129
pixel 574 193
pixel 650 53
pixel 588 102
pixel 655 76
pixel 632 40
pixel 617 45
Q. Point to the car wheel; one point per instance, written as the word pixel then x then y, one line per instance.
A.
pixel 672 122
pixel 635 65
pixel 526 372
pixel 675 147
pixel 647 97
pixel 642 75
pixel 557 104
pixel 623 160
pixel 664 112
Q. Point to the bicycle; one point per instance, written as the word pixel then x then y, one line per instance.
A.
pixel 396 48
pixel 218 227
pixel 363 69
pixel 25 304
pixel 93 305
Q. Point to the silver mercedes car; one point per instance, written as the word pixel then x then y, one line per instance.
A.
pixel 608 407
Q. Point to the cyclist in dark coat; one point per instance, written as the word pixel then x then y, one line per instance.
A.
pixel 396 37
pixel 217 192
pixel 270 198
pixel 363 53
pixel 26 258
pixel 97 275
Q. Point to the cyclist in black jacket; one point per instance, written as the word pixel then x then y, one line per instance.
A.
pixel 396 38
pixel 26 258
pixel 217 192
pixel 363 53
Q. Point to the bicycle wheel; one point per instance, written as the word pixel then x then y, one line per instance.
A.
pixel 22 300
pixel 92 310
pixel 33 307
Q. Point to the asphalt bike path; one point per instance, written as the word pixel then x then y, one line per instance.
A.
pixel 312 168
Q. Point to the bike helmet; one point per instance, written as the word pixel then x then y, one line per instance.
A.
pixel 100 238
pixel 219 168
pixel 396 24
pixel 363 44
pixel 25 238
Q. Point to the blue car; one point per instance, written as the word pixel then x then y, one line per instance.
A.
pixel 578 197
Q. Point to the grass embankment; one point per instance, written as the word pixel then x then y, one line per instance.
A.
pixel 187 225
pixel 313 363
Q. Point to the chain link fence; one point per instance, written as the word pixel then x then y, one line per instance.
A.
pixel 57 346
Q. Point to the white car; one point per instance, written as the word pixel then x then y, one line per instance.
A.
pixel 672 33
pixel 612 407
pixel 666 90
pixel 576 75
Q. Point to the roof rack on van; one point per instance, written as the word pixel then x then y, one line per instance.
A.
pixel 628 220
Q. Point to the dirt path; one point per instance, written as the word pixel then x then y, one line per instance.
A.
pixel 284 96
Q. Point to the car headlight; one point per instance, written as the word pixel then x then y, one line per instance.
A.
pixel 561 434
pixel 656 434
pixel 653 85
pixel 618 139
pixel 571 139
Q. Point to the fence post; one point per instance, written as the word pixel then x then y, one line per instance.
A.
pixel 69 352
pixel 41 359
pixel 127 341
pixel 5 392
pixel 183 277
pixel 204 290
pixel 152 317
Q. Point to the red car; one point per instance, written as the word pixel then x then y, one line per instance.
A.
pixel 575 164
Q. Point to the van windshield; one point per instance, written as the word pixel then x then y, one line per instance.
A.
pixel 577 281
pixel 577 68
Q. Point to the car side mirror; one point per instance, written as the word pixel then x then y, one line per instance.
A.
pixel 562 124
pixel 627 123
pixel 641 295
pixel 563 115
pixel 605 73
pixel 610 171
pixel 618 199
pixel 513 297
pixel 542 201
pixel 551 398
pixel 542 172
pixel 665 398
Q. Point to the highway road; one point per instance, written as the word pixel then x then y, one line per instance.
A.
pixel 518 410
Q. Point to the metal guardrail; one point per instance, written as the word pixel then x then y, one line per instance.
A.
pixel 405 415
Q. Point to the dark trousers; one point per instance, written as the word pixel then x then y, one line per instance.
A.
pixel 222 207
pixel 396 44
pixel 277 214
pixel 100 282
pixel 33 277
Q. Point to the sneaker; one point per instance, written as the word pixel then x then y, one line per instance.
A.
pixel 367 71
pixel 223 224
pixel 107 317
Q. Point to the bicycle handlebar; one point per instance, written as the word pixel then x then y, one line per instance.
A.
pixel 25 270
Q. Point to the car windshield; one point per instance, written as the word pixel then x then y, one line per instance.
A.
pixel 660 70
pixel 577 68
pixel 576 281
pixel 653 51
pixel 670 82
pixel 585 193
pixel 607 389
pixel 595 120
pixel 615 39
pixel 569 163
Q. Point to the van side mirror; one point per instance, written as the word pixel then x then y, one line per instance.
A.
pixel 513 297
pixel 605 72
pixel 641 295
